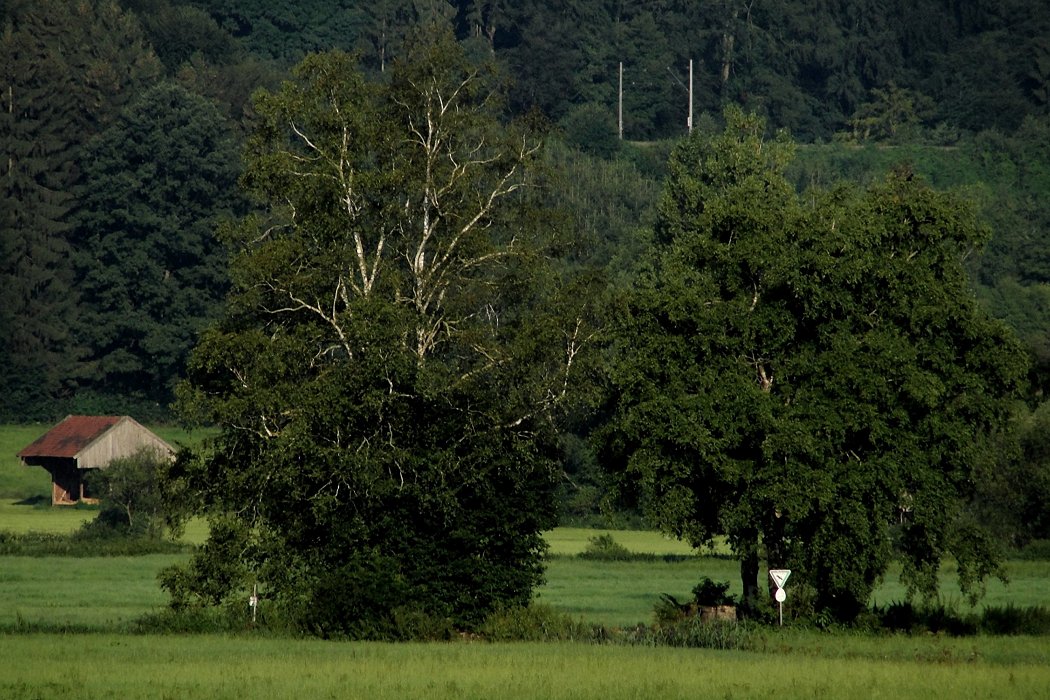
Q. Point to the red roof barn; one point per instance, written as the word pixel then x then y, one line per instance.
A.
pixel 80 443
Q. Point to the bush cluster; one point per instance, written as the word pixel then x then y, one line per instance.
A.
pixel 695 633
pixel 707 593
pixel 80 544
pixel 1036 550
pixel 536 623
pixel 605 548
pixel 941 618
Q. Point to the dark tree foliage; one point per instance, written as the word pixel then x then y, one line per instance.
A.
pixel 151 274
pixel 810 67
pixel 1013 273
pixel 392 358
pixel 288 31
pixel 180 32
pixel 65 70
pixel 1012 494
pixel 133 503
pixel 802 374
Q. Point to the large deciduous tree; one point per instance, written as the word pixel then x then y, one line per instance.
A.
pixel 387 373
pixel 805 374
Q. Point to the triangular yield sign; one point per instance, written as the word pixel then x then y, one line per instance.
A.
pixel 779 576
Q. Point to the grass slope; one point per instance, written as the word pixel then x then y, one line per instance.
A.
pixel 38 515
pixel 17 481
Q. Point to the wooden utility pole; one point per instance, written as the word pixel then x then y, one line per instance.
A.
pixel 619 98
pixel 689 89
pixel 690 121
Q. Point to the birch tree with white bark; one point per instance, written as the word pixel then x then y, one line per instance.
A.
pixel 396 349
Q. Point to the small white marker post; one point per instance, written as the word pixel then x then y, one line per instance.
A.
pixel 253 602
pixel 780 577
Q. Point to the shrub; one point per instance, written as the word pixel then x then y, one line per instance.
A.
pixel 691 632
pixel 535 623
pixel 709 592
pixel 605 548
pixel 930 617
pixel 132 502
pixel 1013 619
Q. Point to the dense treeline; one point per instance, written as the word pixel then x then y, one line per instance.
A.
pixel 98 160
pixel 121 123
pixel 816 69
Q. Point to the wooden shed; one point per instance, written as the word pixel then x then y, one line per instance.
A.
pixel 81 443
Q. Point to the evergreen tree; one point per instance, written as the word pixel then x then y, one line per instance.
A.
pixel 66 69
pixel 157 183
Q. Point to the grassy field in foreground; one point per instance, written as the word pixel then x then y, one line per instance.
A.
pixel 131 667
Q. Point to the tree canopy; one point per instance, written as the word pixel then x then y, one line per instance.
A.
pixel 392 359
pixel 906 73
pixel 157 183
pixel 810 375
pixel 66 69
pixel 810 68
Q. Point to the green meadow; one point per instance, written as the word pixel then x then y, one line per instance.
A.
pixel 129 667
pixel 18 482
pixel 109 593
pixel 68 629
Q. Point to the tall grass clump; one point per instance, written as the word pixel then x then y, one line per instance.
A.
pixel 82 544
pixel 536 623
pixel 692 632
pixel 230 618
pixel 1011 619
pixel 937 618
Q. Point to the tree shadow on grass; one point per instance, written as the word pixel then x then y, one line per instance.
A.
pixel 37 501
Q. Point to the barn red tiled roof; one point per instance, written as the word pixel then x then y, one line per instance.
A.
pixel 70 436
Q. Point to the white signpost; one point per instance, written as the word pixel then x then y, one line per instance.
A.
pixel 253 602
pixel 780 577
